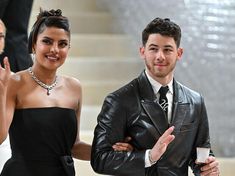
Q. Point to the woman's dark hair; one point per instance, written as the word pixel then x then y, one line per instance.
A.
pixel 164 27
pixel 51 18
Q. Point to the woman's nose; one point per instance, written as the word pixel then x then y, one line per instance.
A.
pixel 54 48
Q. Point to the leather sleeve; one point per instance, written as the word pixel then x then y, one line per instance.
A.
pixel 203 137
pixel 111 128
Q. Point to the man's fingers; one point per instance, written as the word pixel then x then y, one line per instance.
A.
pixel 210 164
pixel 168 132
pixel 167 137
pixel 211 167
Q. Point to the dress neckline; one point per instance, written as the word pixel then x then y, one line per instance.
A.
pixel 43 108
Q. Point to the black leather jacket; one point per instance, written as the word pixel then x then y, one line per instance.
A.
pixel 131 111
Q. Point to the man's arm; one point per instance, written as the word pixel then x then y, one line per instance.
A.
pixel 203 140
pixel 111 128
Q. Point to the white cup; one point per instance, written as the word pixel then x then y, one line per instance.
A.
pixel 202 154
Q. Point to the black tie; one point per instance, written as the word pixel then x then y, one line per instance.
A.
pixel 163 100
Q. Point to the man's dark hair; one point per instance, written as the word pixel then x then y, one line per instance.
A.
pixel 164 27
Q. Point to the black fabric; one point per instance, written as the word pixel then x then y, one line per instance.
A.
pixel 39 137
pixel 68 164
pixel 163 99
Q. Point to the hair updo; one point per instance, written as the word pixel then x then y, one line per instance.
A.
pixel 51 18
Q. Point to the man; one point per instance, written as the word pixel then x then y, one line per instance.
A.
pixel 165 128
pixel 15 14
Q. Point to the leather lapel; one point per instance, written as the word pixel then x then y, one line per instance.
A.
pixel 180 113
pixel 180 106
pixel 153 110
pixel 156 114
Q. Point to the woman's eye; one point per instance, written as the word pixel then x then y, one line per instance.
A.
pixel 46 41
pixel 63 44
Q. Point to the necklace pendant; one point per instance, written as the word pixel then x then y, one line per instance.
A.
pixel 40 83
pixel 48 92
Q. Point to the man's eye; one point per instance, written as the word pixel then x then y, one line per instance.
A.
pixel 168 50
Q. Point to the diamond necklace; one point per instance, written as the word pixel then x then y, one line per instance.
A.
pixel 40 83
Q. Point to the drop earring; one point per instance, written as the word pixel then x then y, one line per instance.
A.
pixel 33 56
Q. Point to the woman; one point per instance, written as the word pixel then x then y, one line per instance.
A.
pixel 40 109
pixel 4 147
pixel 2 36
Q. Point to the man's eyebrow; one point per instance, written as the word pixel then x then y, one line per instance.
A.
pixel 168 46
pixel 153 45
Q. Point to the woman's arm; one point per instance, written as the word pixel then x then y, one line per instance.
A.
pixel 80 150
pixel 7 102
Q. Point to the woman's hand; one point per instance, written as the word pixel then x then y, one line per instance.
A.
pixel 5 74
pixel 123 146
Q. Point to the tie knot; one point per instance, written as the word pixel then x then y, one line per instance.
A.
pixel 163 90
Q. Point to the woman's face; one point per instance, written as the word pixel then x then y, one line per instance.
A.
pixel 51 47
pixel 2 37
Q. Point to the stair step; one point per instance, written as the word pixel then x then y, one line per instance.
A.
pixel 95 92
pixel 92 23
pixel 87 22
pixel 89 118
pixel 101 69
pixel 70 6
pixel 97 45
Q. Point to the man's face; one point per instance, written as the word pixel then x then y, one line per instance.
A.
pixel 160 55
pixel 2 38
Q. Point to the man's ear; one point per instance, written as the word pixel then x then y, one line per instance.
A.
pixel 141 52
pixel 179 53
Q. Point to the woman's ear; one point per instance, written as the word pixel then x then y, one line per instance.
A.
pixel 33 50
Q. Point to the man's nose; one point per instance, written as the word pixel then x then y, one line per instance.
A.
pixel 160 55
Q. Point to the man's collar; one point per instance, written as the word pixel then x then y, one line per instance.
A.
pixel 156 85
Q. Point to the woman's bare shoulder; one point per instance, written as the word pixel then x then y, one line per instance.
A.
pixel 17 83
pixel 71 80
pixel 18 78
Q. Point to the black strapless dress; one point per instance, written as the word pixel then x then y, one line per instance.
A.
pixel 41 141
